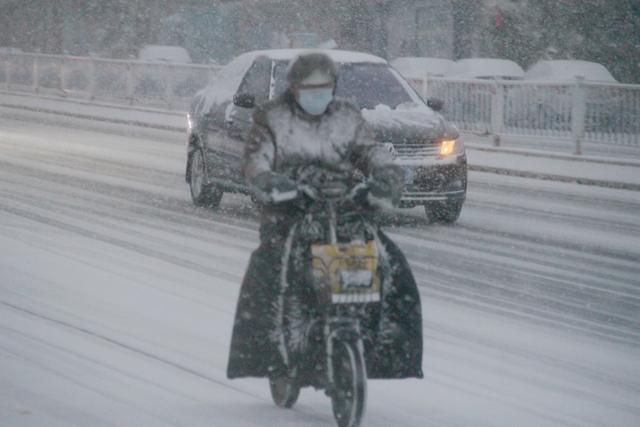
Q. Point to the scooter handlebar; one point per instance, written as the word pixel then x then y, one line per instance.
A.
pixel 358 190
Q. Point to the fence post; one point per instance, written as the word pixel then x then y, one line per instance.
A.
pixel 92 79
pixel 168 85
pixel 497 112
pixel 36 75
pixel 7 68
pixel 61 79
pixel 578 112
pixel 129 94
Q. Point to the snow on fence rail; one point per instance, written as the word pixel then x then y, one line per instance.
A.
pixel 580 111
pixel 164 85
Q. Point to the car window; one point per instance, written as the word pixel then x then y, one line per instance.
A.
pixel 366 85
pixel 369 85
pixel 257 80
pixel 224 86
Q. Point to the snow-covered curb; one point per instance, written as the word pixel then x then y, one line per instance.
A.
pixel 549 155
pixel 554 177
pixel 95 118
pixel 64 99
pixel 522 162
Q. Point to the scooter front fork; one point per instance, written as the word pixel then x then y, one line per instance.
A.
pixel 339 330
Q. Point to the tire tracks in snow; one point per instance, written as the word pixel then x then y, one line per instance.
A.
pixel 507 297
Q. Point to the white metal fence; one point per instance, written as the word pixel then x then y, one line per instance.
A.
pixel 579 111
pixel 131 82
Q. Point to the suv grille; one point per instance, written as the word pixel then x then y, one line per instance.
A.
pixel 416 151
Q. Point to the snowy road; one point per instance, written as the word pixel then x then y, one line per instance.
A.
pixel 117 297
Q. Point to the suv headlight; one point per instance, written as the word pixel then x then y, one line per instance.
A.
pixel 450 147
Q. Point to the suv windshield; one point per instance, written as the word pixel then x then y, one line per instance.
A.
pixel 366 85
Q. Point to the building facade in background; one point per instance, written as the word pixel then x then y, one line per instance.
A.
pixel 218 30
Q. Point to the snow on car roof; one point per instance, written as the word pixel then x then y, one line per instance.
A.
pixel 231 75
pixel 567 70
pixel 473 68
pixel 341 56
pixel 418 67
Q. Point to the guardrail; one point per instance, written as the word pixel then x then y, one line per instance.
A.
pixel 580 111
pixel 163 85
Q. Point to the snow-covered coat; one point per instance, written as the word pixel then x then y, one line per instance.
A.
pixel 283 137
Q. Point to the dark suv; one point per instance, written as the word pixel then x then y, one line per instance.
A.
pixel 421 141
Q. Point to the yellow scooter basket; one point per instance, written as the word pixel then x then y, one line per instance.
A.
pixel 346 273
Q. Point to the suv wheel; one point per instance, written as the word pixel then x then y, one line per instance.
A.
pixel 202 194
pixel 447 212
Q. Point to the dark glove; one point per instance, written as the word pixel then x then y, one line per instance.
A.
pixel 359 195
pixel 387 183
pixel 274 188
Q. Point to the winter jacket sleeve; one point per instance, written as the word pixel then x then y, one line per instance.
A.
pixel 366 154
pixel 259 151
pixel 376 162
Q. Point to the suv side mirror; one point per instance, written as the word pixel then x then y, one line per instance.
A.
pixel 436 104
pixel 244 100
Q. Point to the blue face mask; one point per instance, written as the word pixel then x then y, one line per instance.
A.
pixel 315 101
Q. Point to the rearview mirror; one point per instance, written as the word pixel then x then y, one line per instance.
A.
pixel 436 104
pixel 244 100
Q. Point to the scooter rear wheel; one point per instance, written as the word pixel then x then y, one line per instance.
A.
pixel 348 394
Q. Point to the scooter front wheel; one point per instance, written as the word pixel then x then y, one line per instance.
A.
pixel 348 393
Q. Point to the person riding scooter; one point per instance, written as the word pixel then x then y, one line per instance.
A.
pixel 308 126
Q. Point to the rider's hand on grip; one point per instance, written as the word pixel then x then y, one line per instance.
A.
pixel 359 194
pixel 387 183
pixel 274 188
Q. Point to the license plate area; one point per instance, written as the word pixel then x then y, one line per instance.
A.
pixel 346 273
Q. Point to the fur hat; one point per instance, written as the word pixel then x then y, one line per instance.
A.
pixel 312 69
